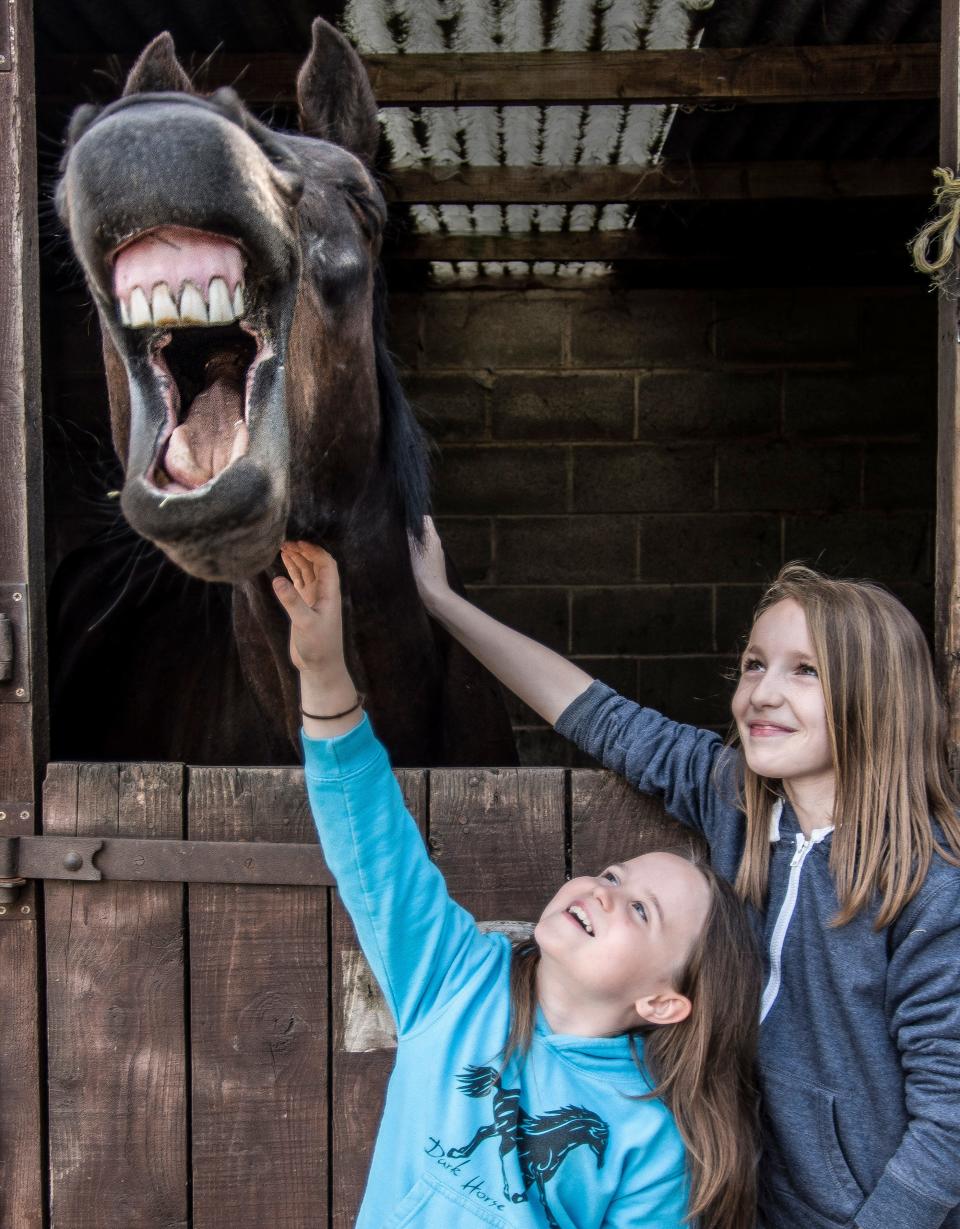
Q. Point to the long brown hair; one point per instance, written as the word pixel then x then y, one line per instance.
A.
pixel 887 727
pixel 702 1068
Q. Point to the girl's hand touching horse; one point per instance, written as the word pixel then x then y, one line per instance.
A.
pixel 316 638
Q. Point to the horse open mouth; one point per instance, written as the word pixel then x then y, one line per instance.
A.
pixel 184 293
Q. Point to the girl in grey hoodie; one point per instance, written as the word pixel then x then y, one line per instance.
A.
pixel 832 810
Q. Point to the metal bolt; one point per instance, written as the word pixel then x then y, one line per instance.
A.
pixel 18 597
pixel 24 908
pixel 3 815
pixel 21 692
pixel 3 909
pixel 24 814
pixel 72 861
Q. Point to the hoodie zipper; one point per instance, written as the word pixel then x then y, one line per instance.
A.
pixel 772 988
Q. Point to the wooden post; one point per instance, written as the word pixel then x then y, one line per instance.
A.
pixel 948 452
pixel 23 693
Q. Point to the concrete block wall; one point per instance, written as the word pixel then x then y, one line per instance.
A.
pixel 618 473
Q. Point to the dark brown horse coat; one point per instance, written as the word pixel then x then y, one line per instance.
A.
pixel 252 398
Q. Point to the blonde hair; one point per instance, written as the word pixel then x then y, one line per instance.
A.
pixel 702 1067
pixel 887 728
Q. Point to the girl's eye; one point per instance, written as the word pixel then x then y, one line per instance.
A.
pixel 750 663
pixel 640 909
pixel 808 671
pixel 609 876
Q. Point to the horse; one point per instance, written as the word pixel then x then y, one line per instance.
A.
pixel 235 273
pixel 541 1143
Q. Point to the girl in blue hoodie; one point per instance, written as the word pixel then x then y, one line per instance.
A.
pixel 833 812
pixel 600 1074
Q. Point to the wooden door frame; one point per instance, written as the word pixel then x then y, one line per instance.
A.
pixel 23 699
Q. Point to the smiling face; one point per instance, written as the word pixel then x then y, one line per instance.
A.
pixel 779 706
pixel 612 945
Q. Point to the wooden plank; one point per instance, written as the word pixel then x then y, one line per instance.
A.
pixel 947 600
pixel 735 181
pixel 259 1021
pixel 611 822
pixel 115 1012
pixel 23 742
pixel 748 75
pixel 363 1044
pixel 498 836
pixel 632 245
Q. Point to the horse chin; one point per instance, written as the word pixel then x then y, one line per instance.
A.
pixel 227 531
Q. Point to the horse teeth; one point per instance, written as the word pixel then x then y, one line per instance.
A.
pixel 193 310
pixel 124 314
pixel 163 310
pixel 221 307
pixel 139 309
pixel 238 301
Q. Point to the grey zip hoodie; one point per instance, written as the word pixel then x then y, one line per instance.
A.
pixel 860 1034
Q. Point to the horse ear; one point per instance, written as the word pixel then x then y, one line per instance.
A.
pixel 334 95
pixel 158 70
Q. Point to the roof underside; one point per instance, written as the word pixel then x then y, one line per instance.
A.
pixel 571 135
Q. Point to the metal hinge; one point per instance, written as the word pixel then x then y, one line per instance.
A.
pixel 84 858
pixel 14 639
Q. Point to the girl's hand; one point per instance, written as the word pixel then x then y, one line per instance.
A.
pixel 313 603
pixel 429 566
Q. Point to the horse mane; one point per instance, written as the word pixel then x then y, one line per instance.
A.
pixel 569 1115
pixel 477 1081
pixel 404 448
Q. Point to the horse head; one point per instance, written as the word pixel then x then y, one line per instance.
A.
pixel 252 398
pixel 233 270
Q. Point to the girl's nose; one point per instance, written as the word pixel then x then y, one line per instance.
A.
pixel 767 691
pixel 603 896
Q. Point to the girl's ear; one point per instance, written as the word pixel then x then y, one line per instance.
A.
pixel 669 1007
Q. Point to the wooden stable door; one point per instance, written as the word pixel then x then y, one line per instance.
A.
pixel 217 1052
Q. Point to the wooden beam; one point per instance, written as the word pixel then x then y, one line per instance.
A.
pixel 707 75
pixel 947 602
pixel 639 246
pixel 732 181
pixel 549 245
pixel 22 698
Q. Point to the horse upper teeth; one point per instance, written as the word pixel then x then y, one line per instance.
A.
pixel 161 310
pixel 581 916
pixel 193 310
pixel 221 306
pixel 139 309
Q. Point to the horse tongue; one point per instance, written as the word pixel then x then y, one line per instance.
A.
pixel 212 435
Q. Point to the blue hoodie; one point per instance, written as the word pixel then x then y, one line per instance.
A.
pixel 860 1029
pixel 556 1139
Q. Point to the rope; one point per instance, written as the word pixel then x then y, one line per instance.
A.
pixel 942 230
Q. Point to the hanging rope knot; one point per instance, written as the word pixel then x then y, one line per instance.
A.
pixel 941 231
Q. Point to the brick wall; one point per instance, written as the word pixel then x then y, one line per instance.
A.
pixel 619 472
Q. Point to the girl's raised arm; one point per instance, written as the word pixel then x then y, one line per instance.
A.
pixel 421 945
pixel 543 679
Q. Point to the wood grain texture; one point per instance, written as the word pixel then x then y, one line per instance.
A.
pixel 610 822
pixel 359 1076
pixel 22 726
pixel 498 836
pixel 115 1012
pixel 259 1019
pixel 749 75
pixel 711 181
pixel 947 599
